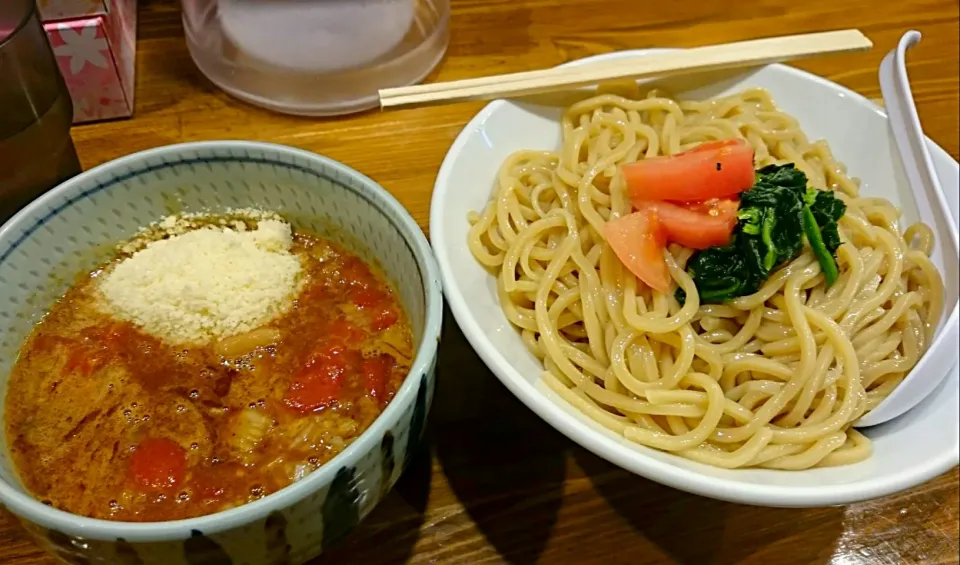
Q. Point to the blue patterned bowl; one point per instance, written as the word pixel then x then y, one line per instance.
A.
pixel 71 228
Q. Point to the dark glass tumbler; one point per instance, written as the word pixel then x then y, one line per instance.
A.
pixel 36 152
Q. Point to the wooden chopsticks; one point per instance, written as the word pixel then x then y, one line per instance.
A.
pixel 711 58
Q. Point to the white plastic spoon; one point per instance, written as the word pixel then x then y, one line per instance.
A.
pixel 931 203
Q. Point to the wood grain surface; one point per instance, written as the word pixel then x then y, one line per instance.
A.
pixel 496 484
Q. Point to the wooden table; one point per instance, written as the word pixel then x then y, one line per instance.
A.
pixel 497 485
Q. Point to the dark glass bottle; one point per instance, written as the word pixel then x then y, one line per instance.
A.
pixel 36 151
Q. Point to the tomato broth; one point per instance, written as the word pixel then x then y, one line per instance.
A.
pixel 106 421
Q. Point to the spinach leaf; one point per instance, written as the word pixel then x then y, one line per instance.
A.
pixel 719 274
pixel 774 216
pixel 775 200
pixel 821 212
pixel 827 210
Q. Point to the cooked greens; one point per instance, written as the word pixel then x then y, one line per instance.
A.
pixel 827 210
pixel 774 218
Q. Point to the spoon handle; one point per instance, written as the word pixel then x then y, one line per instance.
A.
pixel 908 135
pixel 924 183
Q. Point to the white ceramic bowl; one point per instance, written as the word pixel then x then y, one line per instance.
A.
pixel 63 233
pixel 908 451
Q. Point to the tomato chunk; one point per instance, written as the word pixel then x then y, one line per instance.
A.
pixel 316 387
pixel 697 225
pixel 383 318
pixel 96 346
pixel 376 371
pixel 323 378
pixel 377 303
pixel 638 240
pixel 714 169
pixel 158 463
pixel 365 297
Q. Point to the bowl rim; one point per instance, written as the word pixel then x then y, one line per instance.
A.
pixel 26 506
pixel 606 447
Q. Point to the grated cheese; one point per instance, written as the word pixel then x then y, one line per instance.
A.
pixel 180 224
pixel 207 283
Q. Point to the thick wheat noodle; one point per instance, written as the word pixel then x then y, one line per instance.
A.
pixel 770 380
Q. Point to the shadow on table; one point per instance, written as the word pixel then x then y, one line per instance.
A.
pixel 505 465
pixel 694 530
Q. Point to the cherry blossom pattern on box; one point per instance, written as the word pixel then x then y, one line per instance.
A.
pixel 86 61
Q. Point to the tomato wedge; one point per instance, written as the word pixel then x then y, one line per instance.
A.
pixel 714 169
pixel 638 240
pixel 697 225
pixel 158 463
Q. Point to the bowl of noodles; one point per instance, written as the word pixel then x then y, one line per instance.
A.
pixel 708 280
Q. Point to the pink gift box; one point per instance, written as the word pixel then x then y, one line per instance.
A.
pixel 96 53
